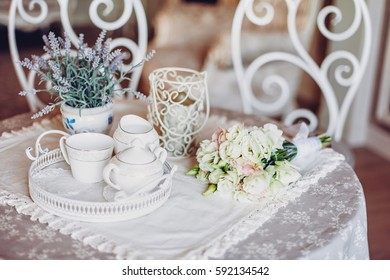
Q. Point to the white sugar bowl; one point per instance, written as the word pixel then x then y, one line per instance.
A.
pixel 135 168
pixel 135 131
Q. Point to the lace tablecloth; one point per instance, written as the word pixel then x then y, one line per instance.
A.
pixel 322 218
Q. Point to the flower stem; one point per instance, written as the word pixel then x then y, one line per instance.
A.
pixel 194 171
pixel 210 189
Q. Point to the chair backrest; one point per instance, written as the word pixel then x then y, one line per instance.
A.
pixel 343 62
pixel 37 13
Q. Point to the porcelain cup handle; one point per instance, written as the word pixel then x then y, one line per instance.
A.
pixel 63 149
pixel 106 175
pixel 160 153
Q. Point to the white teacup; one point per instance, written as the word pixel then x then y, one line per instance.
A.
pixel 135 131
pixel 87 154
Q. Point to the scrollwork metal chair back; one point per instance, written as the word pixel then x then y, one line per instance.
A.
pixel 337 111
pixel 38 11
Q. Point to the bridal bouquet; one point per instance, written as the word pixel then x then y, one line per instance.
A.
pixel 251 163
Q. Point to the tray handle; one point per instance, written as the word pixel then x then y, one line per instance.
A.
pixel 38 147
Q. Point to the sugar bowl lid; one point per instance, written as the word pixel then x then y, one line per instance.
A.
pixel 136 155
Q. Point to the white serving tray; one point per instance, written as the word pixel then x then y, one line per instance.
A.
pixel 89 204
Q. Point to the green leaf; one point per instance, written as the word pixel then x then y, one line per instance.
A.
pixel 288 152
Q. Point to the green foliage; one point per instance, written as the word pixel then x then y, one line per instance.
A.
pixel 288 153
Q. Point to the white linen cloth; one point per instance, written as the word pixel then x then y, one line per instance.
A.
pixel 189 225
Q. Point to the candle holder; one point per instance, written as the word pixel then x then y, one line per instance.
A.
pixel 180 108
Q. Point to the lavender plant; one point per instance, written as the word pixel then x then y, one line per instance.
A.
pixel 87 77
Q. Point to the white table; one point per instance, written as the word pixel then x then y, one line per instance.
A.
pixel 328 221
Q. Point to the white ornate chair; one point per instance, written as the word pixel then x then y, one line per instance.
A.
pixel 184 33
pixel 25 26
pixel 38 11
pixel 340 69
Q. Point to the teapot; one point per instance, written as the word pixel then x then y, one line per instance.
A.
pixel 135 168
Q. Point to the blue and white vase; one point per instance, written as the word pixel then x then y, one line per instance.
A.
pixel 97 119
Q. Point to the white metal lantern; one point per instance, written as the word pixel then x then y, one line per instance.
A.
pixel 180 108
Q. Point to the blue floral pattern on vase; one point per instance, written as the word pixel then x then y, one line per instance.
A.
pixel 110 118
pixel 69 123
pixel 97 120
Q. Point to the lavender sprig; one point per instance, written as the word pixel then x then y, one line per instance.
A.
pixel 114 55
pixel 61 89
pixel 116 63
pixel 96 61
pixel 89 54
pixel 54 44
pixel 28 64
pixel 57 74
pixel 105 53
pixel 141 96
pixel 46 41
pixel 149 56
pixel 67 44
pixel 40 61
pixel 46 110
pixel 26 92
pixel 145 59
pixel 99 41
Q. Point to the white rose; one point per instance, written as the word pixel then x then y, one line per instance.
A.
pixel 208 162
pixel 265 140
pixel 232 176
pixel 229 150
pixel 274 136
pixel 228 183
pixel 257 184
pixel 203 175
pixel 261 144
pixel 236 132
pixel 225 187
pixel 207 156
pixel 251 150
pixel 286 173
pixel 215 175
pixel 206 147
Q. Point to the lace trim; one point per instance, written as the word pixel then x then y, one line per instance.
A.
pixel 33 129
pixel 249 224
pixel 76 231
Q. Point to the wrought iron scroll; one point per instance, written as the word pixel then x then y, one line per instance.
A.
pixel 180 108
pixel 321 74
